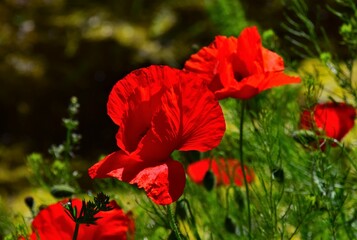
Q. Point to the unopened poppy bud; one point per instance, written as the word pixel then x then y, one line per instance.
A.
pixel 229 225
pixel 238 197
pixel 209 180
pixel 62 191
pixel 278 175
pixel 304 136
pixel 29 201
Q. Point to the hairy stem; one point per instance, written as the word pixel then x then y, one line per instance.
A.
pixel 173 223
pixel 243 169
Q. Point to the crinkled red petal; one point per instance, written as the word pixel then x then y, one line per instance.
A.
pixel 163 183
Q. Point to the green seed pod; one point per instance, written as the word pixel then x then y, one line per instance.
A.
pixel 304 136
pixel 209 181
pixel 278 175
pixel 29 201
pixel 62 191
pixel 238 197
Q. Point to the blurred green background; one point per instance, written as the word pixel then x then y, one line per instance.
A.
pixel 51 50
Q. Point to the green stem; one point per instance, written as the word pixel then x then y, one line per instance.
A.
pixel 76 229
pixel 172 222
pixel 243 169
pixel 193 222
pixel 75 234
pixel 68 146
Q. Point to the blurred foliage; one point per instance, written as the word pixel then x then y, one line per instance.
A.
pixel 228 16
pixel 52 50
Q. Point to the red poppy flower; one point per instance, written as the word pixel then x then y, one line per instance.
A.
pixel 54 223
pixel 239 67
pixel 159 109
pixel 222 169
pixel 332 119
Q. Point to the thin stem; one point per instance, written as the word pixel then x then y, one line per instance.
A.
pixel 75 234
pixel 68 146
pixel 173 224
pixel 76 229
pixel 193 222
pixel 242 165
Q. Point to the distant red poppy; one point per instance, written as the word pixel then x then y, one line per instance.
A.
pixel 159 109
pixel 54 223
pixel 239 67
pixel 332 119
pixel 222 170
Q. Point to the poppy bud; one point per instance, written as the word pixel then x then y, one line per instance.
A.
pixel 209 180
pixel 229 225
pixel 278 175
pixel 238 197
pixel 62 191
pixel 29 201
pixel 304 136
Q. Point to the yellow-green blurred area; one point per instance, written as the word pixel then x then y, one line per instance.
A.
pixel 51 50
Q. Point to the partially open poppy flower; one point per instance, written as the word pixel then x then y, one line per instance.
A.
pixel 239 67
pixel 54 223
pixel 159 109
pixel 223 170
pixel 333 120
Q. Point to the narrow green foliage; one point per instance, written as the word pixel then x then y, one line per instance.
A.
pixel 56 175
pixel 65 151
pixel 88 210
pixel 86 215
pixel 228 15
pixel 302 30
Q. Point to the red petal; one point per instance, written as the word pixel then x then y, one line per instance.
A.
pixel 220 169
pixel 205 61
pixel 113 224
pixel 136 121
pixel 249 57
pixel 203 124
pixel 272 61
pixel 119 165
pixel 336 119
pixel 134 100
pixel 163 137
pixel 54 223
pixel 237 171
pixel 197 170
pixel 164 183
pixel 275 79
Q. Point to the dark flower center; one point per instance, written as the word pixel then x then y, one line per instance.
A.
pixel 143 133
pixel 238 76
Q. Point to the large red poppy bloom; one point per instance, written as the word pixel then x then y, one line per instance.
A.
pixel 332 119
pixel 239 67
pixel 54 223
pixel 222 169
pixel 159 109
